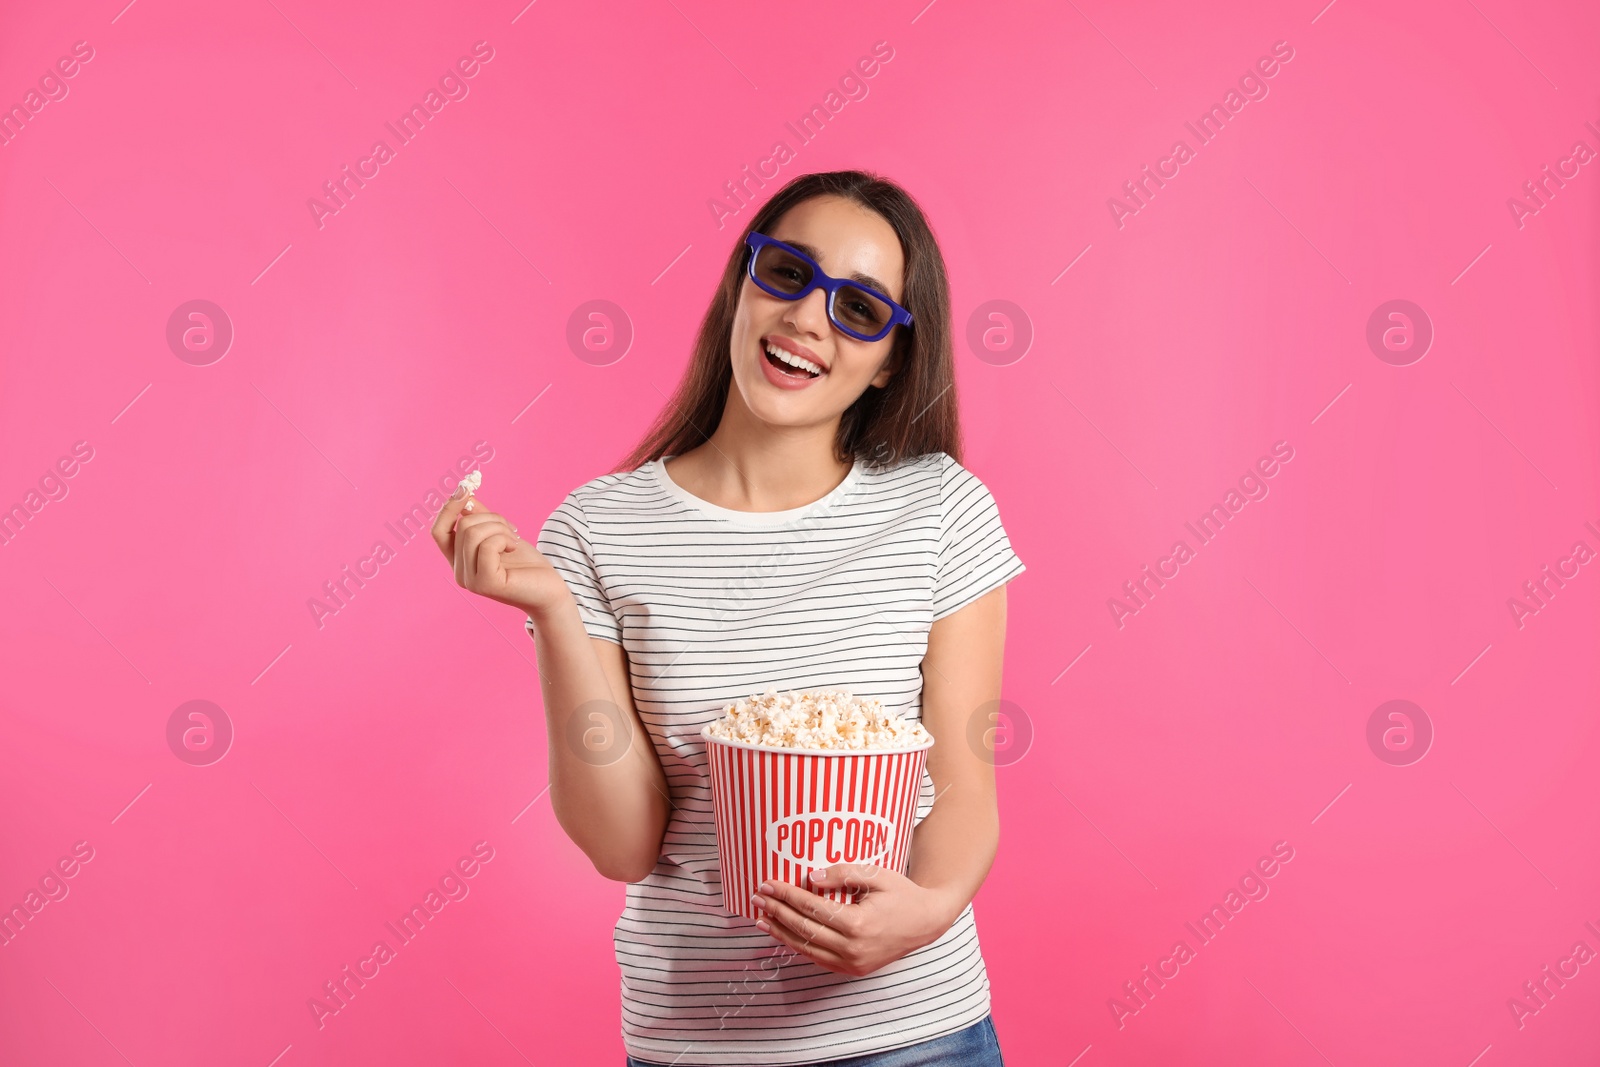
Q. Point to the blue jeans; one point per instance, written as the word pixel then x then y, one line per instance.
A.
pixel 975 1046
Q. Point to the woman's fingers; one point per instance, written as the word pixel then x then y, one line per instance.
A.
pixel 459 533
pixel 806 946
pixel 444 524
pixel 808 920
pixel 482 536
pixel 481 547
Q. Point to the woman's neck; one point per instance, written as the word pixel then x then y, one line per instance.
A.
pixel 770 474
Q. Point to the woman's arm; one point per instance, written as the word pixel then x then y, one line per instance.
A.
pixel 606 784
pixel 953 847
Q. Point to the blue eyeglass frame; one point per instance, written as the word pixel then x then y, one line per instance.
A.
pixel 821 280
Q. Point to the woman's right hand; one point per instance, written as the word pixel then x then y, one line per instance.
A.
pixel 491 560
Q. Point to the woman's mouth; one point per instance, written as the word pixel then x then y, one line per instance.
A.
pixel 786 369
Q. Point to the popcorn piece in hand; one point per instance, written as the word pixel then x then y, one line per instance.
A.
pixel 469 485
pixel 823 719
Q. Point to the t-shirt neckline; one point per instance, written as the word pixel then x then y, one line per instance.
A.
pixel 752 518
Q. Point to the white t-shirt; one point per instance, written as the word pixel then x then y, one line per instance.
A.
pixel 713 605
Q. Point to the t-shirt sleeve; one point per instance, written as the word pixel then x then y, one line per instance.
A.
pixel 564 541
pixel 975 555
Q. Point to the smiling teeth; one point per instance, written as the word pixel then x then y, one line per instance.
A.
pixel 793 360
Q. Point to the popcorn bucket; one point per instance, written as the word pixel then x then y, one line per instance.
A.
pixel 784 812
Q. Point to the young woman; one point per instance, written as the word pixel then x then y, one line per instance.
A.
pixel 797 517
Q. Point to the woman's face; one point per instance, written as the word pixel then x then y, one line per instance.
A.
pixel 844 238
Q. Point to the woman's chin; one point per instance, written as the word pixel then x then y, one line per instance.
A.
pixel 779 409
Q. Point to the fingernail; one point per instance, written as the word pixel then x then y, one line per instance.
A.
pixel 766 888
pixel 762 923
pixel 755 898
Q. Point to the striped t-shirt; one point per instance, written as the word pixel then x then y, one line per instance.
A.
pixel 713 605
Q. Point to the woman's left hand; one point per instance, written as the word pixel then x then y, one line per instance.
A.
pixel 893 917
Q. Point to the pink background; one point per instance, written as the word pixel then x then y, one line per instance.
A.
pixel 370 354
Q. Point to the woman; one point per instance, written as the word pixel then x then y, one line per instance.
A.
pixel 797 517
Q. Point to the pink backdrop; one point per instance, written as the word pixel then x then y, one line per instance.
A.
pixel 1127 357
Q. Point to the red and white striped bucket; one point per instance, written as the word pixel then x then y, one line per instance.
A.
pixel 784 812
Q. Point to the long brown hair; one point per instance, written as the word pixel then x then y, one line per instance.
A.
pixel 914 414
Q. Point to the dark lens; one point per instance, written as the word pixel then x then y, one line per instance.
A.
pixel 860 310
pixel 782 270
